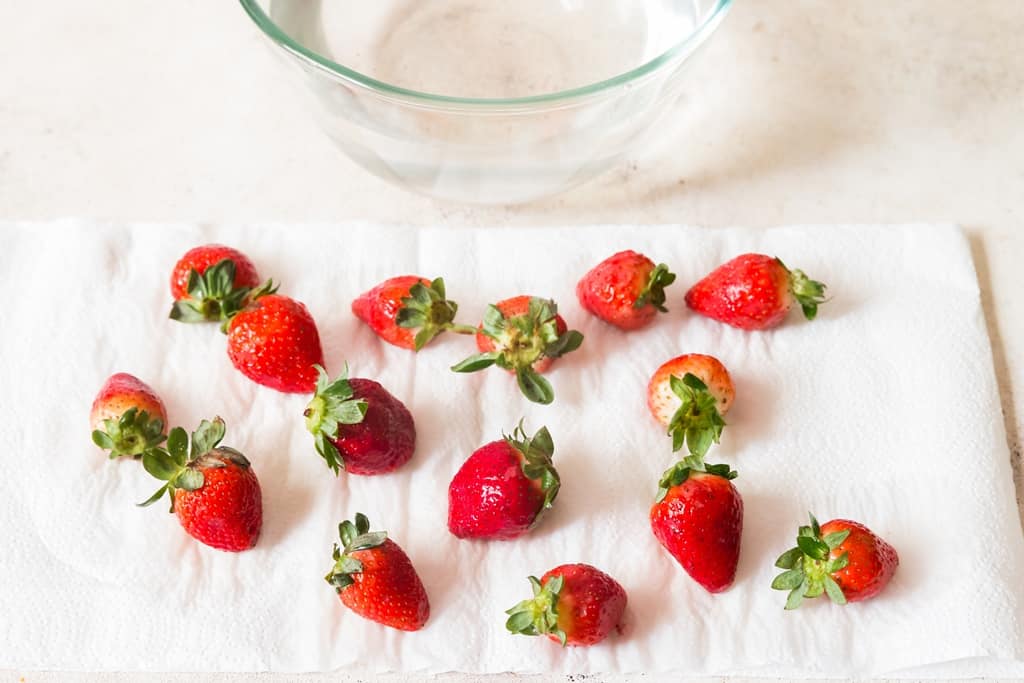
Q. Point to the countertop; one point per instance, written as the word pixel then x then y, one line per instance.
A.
pixel 815 111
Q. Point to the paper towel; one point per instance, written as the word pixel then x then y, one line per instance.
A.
pixel 884 410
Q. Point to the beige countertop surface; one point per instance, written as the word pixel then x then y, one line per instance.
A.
pixel 815 111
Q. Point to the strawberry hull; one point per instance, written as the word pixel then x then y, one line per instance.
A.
pixel 511 308
pixel 375 579
pixel 663 402
pixel 490 497
pixel 872 561
pixel 755 292
pixel 700 523
pixel 379 308
pixel 590 605
pixel 203 257
pixel 227 512
pixel 625 290
pixel 572 604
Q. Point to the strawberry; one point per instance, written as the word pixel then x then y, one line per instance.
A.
pixel 359 426
pixel 754 292
pixel 573 604
pixel 210 283
pixel 698 518
pixel 843 559
pixel 375 578
pixel 626 290
pixel 689 394
pixel 408 311
pixel 523 335
pixel 127 416
pixel 504 487
pixel 274 342
pixel 213 489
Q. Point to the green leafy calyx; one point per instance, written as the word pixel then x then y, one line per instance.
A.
pixel 333 404
pixel 681 471
pixel 131 435
pixel 537 452
pixel 354 536
pixel 809 566
pixel 212 295
pixel 539 614
pixel 427 310
pixel 522 340
pixel 697 422
pixel 807 292
pixel 653 292
pixel 181 466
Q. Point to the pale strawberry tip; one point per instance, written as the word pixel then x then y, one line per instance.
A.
pixel 354 536
pixel 212 295
pixel 333 404
pixel 807 292
pixel 697 422
pixel 130 435
pixel 653 292
pixel 538 615
pixel 809 566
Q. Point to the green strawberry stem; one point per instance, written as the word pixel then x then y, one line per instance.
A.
pixel 809 566
pixel 333 404
pixel 654 291
pixel 537 452
pixel 265 289
pixel 807 292
pixel 539 614
pixel 521 341
pixel 182 468
pixel 130 435
pixel 697 422
pixel 211 296
pixel 681 471
pixel 428 310
pixel 354 536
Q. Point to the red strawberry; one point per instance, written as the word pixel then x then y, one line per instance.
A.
pixel 754 292
pixel 698 518
pixel 573 604
pixel 359 426
pixel 375 578
pixel 626 290
pixel 274 342
pixel 523 335
pixel 213 489
pixel 504 487
pixel 127 416
pixel 408 311
pixel 843 559
pixel 689 394
pixel 210 283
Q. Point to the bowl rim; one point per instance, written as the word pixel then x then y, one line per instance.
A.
pixel 276 34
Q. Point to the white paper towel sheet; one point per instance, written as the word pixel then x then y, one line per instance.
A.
pixel 883 410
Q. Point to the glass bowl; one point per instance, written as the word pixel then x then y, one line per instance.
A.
pixel 489 101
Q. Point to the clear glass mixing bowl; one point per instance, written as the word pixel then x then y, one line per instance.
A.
pixel 489 101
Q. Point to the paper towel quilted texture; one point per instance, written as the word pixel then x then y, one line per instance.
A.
pixel 883 410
